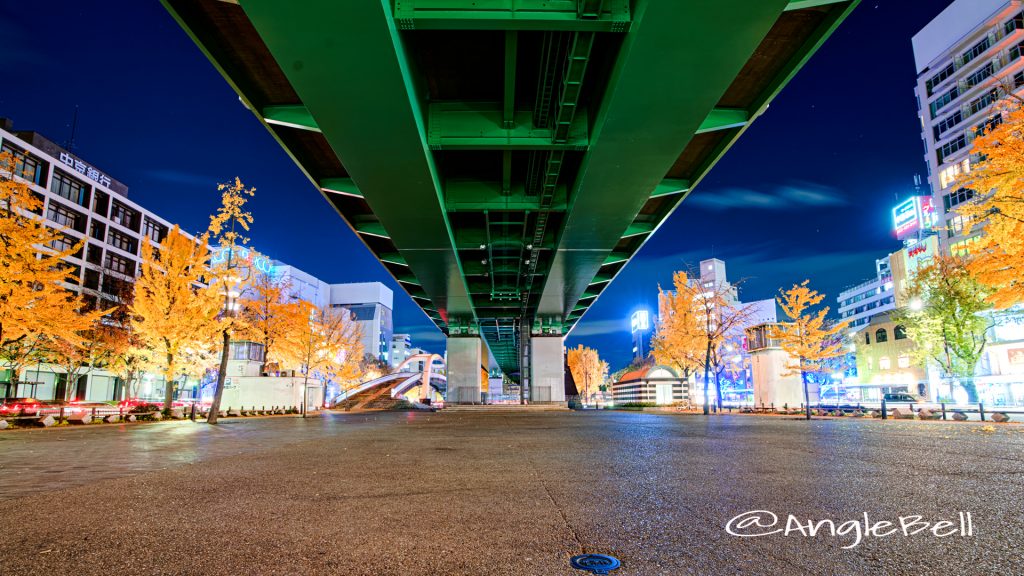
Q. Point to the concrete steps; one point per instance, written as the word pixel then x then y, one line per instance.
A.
pixel 504 408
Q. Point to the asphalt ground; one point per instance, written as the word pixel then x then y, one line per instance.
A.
pixel 508 494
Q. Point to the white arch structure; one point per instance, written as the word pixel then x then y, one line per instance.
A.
pixel 428 369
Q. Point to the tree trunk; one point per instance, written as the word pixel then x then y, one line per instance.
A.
pixel 807 395
pixel 221 377
pixel 169 385
pixel 718 390
pixel 971 389
pixel 707 365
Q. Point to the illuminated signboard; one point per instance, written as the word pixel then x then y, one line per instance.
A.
pixel 917 213
pixel 640 321
pixel 252 257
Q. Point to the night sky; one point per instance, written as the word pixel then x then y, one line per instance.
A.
pixel 805 193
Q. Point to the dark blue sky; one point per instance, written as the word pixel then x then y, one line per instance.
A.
pixel 806 193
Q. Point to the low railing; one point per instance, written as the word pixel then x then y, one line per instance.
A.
pixel 885 410
pixel 120 414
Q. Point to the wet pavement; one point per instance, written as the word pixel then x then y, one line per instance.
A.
pixel 397 493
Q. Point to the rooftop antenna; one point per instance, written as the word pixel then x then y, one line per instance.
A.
pixel 70 144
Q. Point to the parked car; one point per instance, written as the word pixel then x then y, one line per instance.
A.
pixel 20 406
pixel 901 397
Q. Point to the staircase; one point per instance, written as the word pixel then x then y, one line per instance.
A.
pixel 377 398
pixel 505 408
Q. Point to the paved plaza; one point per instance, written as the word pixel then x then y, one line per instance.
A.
pixel 415 493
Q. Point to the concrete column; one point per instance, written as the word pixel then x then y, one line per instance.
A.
pixel 547 369
pixel 464 361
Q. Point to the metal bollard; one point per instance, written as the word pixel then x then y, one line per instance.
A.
pixel 192 415
pixel 943 410
pixel 885 411
pixel 60 417
pixel 981 411
pixel 94 414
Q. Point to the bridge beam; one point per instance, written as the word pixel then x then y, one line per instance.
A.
pixel 661 72
pixel 482 126
pixel 545 15
pixel 379 135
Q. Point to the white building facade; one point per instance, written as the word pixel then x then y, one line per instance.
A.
pixel 968 58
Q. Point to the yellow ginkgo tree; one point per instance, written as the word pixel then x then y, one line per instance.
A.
pixel 588 370
pixel 230 271
pixel 809 338
pixel 36 305
pixel 997 210
pixel 172 310
pixel 678 341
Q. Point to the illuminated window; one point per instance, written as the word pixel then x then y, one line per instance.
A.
pixel 964 247
pixel 884 363
pixel 903 361
pixel 948 175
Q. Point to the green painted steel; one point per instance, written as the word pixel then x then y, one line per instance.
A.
pixel 504 159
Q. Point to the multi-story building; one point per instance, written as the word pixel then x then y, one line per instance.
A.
pixel 968 58
pixel 857 304
pixel 87 204
pixel 401 346
pixel 371 304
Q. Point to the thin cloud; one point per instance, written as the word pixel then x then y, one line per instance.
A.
pixel 180 177
pixel 791 196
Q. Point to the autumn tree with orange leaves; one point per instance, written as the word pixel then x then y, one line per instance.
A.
pixel 587 370
pixel 231 272
pixel 678 342
pixel 808 337
pixel 329 345
pixel 273 315
pixel 173 312
pixel 997 210
pixel 36 307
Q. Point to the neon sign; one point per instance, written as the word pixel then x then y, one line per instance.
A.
pixel 917 213
pixel 250 257
pixel 640 321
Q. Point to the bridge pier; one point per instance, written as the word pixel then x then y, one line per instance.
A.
pixel 547 369
pixel 465 359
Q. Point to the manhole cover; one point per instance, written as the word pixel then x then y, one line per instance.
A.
pixel 595 563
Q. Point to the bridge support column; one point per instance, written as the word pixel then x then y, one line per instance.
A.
pixel 547 369
pixel 465 358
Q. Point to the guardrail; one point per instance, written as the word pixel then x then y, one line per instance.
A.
pixel 48 416
pixel 885 410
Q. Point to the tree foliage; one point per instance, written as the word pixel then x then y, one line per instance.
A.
pixel 173 312
pixel 809 338
pixel 945 318
pixel 272 316
pixel 329 345
pixel 998 208
pixel 587 370
pixel 36 307
pixel 678 341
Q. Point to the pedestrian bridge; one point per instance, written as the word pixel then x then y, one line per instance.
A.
pixel 413 386
pixel 504 159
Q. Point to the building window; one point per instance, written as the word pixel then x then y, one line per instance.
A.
pixel 949 174
pixel 101 203
pixel 957 197
pixel 94 254
pixel 976 50
pixel 979 76
pixel 122 241
pixel 63 243
pixel 881 335
pixel 67 187
pixel 125 216
pixel 899 332
pixel 1015 23
pixel 867 338
pixel 884 363
pixel 120 264
pixel 64 216
pixel 903 361
pixel 940 102
pixel 964 247
pixel 154 230
pixel 947 123
pixel 939 78
pixel 26 166
pixel 982 102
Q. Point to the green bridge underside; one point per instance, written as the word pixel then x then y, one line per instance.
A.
pixel 504 159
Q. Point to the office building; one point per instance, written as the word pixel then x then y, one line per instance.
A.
pixel 89 205
pixel 968 58
pixel 857 304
